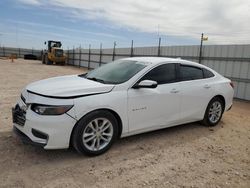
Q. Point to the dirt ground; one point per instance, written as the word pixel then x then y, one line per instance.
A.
pixel 184 156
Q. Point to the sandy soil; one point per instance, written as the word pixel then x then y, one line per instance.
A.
pixel 184 156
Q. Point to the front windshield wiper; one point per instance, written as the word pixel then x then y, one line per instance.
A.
pixel 96 79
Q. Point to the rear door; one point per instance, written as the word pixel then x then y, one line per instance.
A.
pixel 152 108
pixel 196 91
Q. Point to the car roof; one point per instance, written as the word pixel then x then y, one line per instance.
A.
pixel 152 61
pixel 157 60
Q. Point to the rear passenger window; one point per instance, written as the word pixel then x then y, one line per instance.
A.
pixel 162 74
pixel 190 73
pixel 207 73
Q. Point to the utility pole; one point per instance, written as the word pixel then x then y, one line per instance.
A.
pixel 159 47
pixel 201 48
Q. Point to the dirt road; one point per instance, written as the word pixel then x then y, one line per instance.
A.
pixel 184 156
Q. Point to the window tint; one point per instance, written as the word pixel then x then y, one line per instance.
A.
pixel 162 74
pixel 207 73
pixel 190 73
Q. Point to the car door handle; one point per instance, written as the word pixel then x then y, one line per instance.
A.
pixel 174 91
pixel 207 86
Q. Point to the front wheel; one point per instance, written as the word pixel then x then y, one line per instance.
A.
pixel 47 61
pixel 95 133
pixel 213 112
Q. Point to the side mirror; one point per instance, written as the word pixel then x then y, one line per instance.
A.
pixel 146 84
pixel 45 43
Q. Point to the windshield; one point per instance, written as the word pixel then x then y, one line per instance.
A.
pixel 116 72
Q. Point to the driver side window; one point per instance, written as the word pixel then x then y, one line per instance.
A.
pixel 162 74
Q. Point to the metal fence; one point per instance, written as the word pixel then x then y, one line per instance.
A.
pixel 18 52
pixel 232 61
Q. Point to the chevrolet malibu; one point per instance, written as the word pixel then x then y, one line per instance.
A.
pixel 122 98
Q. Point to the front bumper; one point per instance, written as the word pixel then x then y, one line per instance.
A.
pixel 26 139
pixel 49 132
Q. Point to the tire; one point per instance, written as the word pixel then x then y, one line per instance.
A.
pixel 47 61
pixel 213 112
pixel 43 59
pixel 96 127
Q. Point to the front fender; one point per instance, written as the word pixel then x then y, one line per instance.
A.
pixel 115 101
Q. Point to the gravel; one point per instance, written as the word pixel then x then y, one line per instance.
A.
pixel 189 155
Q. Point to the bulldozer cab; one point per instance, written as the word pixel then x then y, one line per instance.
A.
pixel 53 44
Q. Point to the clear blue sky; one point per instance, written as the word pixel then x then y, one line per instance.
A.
pixel 28 23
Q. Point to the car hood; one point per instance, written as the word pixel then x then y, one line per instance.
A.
pixel 68 86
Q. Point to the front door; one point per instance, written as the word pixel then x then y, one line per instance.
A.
pixel 153 108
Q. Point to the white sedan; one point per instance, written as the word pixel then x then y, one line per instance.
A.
pixel 122 98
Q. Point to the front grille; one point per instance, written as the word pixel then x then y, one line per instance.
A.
pixel 18 115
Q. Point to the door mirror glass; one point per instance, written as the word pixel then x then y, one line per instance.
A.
pixel 146 84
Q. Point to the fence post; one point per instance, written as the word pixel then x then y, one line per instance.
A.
pixel 89 57
pixel 73 55
pixel 113 58
pixel 32 51
pixel 80 56
pixel 68 55
pixel 159 47
pixel 200 54
pixel 3 52
pixel 100 60
pixel 132 49
pixel 19 53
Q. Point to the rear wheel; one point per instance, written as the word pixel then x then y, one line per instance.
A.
pixel 95 133
pixel 213 112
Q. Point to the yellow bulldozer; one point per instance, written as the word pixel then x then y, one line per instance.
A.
pixel 53 54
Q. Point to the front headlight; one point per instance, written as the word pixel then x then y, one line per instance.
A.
pixel 50 109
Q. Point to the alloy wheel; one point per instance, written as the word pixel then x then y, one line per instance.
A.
pixel 97 134
pixel 215 112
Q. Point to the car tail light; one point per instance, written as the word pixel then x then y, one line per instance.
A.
pixel 232 84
